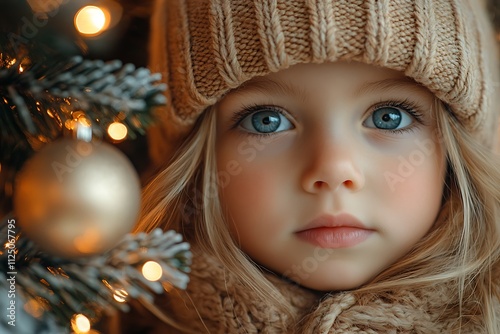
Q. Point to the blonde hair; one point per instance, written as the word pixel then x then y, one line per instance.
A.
pixel 463 249
pixel 184 197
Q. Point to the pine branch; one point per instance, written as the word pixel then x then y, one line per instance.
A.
pixel 105 92
pixel 41 91
pixel 88 285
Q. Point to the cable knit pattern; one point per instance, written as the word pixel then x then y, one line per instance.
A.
pixel 216 302
pixel 213 46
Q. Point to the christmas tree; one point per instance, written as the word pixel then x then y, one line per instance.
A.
pixel 69 196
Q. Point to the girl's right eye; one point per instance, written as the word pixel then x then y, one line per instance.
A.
pixel 264 120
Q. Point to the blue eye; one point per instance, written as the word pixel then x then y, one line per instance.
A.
pixel 266 121
pixel 388 118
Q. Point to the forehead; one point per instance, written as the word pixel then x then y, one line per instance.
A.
pixel 352 79
pixel 343 69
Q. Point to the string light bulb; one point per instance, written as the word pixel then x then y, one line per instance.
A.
pixel 92 20
pixel 80 324
pixel 120 295
pixel 117 131
pixel 152 271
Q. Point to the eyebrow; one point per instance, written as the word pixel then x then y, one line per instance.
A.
pixel 265 86
pixel 389 84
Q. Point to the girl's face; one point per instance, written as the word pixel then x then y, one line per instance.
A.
pixel 329 173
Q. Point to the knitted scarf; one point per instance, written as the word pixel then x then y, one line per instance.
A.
pixel 216 302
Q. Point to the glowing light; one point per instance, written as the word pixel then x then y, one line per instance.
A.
pixel 92 20
pixel 117 131
pixel 69 124
pixel 44 6
pixel 80 324
pixel 81 127
pixel 152 271
pixel 21 69
pixel 89 241
pixel 120 295
pixel 33 308
pixel 83 121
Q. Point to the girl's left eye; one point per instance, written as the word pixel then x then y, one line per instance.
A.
pixel 266 120
pixel 389 118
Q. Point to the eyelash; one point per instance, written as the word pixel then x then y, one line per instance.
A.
pixel 239 116
pixel 406 105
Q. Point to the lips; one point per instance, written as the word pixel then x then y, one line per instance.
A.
pixel 340 231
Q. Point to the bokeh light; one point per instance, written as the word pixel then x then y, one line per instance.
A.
pixel 34 308
pixel 80 324
pixel 92 20
pixel 45 6
pixel 117 131
pixel 120 295
pixel 152 271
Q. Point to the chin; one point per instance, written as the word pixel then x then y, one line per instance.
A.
pixel 327 284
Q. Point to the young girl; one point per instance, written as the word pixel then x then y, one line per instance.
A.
pixel 338 174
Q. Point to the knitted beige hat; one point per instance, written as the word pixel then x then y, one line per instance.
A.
pixel 204 48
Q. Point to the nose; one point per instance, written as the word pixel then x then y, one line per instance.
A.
pixel 332 164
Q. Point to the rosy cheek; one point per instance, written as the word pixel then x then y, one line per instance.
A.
pixel 247 188
pixel 410 191
pixel 251 199
pixel 414 186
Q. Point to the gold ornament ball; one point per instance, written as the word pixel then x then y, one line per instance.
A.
pixel 75 198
